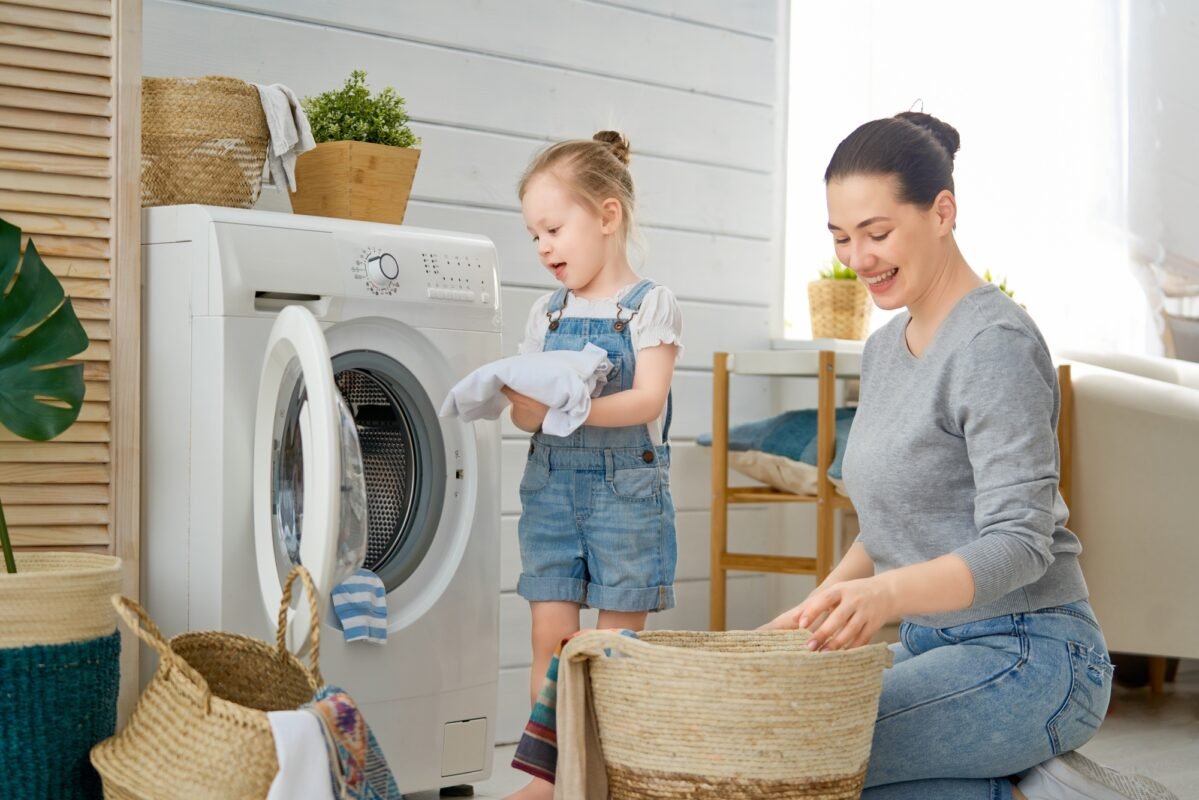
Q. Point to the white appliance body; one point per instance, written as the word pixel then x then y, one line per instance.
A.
pixel 215 280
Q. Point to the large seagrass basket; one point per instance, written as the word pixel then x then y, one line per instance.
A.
pixel 59 672
pixel 724 716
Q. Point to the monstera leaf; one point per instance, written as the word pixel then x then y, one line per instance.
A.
pixel 38 329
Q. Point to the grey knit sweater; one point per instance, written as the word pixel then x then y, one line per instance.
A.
pixel 955 452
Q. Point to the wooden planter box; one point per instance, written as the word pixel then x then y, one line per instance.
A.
pixel 355 180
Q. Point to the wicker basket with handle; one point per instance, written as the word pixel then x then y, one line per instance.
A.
pixel 840 309
pixel 204 141
pixel 739 714
pixel 200 728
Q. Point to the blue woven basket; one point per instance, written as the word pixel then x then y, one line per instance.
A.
pixel 56 702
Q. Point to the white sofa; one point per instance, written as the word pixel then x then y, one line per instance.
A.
pixel 1135 497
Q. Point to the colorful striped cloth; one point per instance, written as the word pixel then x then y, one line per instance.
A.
pixel 537 751
pixel 359 768
pixel 360 602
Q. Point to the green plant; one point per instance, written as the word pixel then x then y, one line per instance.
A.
pixel 1002 284
pixel 39 397
pixel 837 272
pixel 350 113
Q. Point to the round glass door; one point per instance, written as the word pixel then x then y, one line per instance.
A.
pixel 309 489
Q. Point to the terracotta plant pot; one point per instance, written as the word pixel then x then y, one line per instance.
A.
pixel 355 180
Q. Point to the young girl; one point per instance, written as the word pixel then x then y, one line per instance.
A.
pixel 597 525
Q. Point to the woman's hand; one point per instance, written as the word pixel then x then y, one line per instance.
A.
pixel 846 614
pixel 527 413
pixel 787 621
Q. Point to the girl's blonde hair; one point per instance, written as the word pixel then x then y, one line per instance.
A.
pixel 592 169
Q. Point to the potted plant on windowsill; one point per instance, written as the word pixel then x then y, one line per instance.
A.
pixel 59 650
pixel 365 158
pixel 840 304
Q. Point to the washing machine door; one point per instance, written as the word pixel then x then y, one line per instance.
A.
pixel 309 486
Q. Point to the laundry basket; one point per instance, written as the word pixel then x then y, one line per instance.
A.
pixel 200 728
pixel 742 714
pixel 204 141
pixel 59 673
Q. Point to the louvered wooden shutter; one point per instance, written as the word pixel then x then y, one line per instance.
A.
pixel 70 75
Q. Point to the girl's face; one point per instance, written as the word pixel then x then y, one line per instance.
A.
pixel 573 241
pixel 895 248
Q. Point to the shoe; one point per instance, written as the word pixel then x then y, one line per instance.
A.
pixel 1073 776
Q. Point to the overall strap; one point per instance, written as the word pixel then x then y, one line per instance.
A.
pixel 557 305
pixel 632 301
pixel 557 300
pixel 669 414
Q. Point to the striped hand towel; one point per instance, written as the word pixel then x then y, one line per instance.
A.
pixel 360 602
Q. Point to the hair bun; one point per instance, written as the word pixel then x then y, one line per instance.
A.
pixel 616 141
pixel 944 133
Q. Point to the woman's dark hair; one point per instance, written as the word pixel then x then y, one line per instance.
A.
pixel 915 147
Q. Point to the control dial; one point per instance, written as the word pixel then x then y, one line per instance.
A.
pixel 382 270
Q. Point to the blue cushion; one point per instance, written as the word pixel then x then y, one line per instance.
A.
pixel 791 434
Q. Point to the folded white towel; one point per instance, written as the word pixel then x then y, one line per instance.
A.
pixel 303 758
pixel 564 380
pixel 360 602
pixel 290 133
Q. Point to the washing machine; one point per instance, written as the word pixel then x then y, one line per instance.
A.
pixel 292 371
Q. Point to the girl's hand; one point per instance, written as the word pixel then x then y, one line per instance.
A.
pixel 527 413
pixel 852 612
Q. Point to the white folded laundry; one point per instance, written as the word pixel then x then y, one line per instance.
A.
pixel 290 133
pixel 303 758
pixel 564 380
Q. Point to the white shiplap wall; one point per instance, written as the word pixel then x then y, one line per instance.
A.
pixel 696 87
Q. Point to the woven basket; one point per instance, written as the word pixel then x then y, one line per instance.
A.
pixel 743 714
pixel 200 728
pixel 840 309
pixel 203 141
pixel 58 597
pixel 59 673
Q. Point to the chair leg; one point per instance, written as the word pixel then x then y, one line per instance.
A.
pixel 1157 675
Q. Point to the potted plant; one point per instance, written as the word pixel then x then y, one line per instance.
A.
pixel 365 158
pixel 840 304
pixel 59 650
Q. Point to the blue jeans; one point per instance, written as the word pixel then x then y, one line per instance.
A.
pixel 963 707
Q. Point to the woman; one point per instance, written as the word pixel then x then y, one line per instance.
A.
pixel 952 465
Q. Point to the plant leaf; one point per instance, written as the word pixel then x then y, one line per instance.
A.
pixel 38 329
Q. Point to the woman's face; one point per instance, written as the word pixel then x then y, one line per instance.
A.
pixel 895 248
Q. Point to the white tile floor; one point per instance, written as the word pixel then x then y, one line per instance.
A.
pixel 1158 737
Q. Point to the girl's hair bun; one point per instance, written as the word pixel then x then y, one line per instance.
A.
pixel 616 141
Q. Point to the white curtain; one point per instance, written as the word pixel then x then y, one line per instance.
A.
pixel 1038 92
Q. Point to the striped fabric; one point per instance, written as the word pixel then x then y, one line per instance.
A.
pixel 537 751
pixel 360 603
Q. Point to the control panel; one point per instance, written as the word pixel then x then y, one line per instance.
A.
pixel 456 277
pixel 460 271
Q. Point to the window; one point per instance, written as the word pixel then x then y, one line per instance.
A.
pixel 1037 92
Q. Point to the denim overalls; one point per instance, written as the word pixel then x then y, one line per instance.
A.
pixel 597 525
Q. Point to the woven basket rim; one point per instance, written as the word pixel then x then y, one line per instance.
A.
pixel 871 650
pixel 74 565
